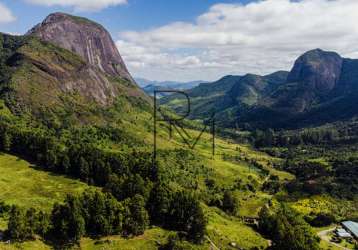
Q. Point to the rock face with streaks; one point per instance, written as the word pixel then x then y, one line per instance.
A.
pixel 85 38
pixel 320 70
pixel 66 66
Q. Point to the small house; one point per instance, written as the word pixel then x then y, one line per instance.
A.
pixel 342 233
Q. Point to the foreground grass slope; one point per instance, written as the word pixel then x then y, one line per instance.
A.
pixel 29 187
pixel 21 184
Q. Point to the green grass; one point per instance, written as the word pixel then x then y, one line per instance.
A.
pixel 223 229
pixel 25 186
pixel 340 208
pixel 147 241
pixel 30 245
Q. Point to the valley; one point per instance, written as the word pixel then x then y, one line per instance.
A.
pixel 77 169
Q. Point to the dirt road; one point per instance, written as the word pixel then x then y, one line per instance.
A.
pixel 324 235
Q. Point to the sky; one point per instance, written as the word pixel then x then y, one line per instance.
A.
pixel 185 40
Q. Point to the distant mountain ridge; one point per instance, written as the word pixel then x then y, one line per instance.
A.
pixel 321 87
pixel 142 82
pixel 150 86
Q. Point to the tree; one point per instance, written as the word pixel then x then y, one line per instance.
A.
pixel 31 221
pixel 84 169
pixel 322 220
pixel 266 221
pixel 18 228
pixel 68 224
pixel 42 224
pixel 133 185
pixel 187 215
pixel 269 138
pixel 51 159
pixel 159 203
pixel 230 203
pixel 138 220
pixel 287 229
pixel 6 141
pixel 66 164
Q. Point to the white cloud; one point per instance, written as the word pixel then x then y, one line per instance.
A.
pixel 259 37
pixel 80 5
pixel 6 15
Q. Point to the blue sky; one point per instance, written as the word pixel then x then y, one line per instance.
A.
pixel 134 15
pixel 184 40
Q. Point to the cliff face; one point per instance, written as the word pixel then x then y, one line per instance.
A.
pixel 311 81
pixel 317 69
pixel 85 38
pixel 66 66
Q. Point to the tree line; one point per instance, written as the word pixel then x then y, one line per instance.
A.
pixel 97 214
pixel 136 195
pixel 92 213
pixel 271 138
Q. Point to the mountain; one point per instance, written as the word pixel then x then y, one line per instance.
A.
pixel 72 109
pixel 85 38
pixel 314 75
pixel 65 65
pixel 228 93
pixel 142 82
pixel 150 86
pixel 149 89
pixel 321 87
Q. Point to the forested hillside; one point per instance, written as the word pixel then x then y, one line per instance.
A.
pixel 83 131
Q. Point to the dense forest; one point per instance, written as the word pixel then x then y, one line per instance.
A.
pixel 136 193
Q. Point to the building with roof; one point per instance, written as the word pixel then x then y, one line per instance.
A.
pixel 351 227
pixel 342 233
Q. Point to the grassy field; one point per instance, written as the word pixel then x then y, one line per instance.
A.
pixel 342 209
pixel 23 185
pixel 224 229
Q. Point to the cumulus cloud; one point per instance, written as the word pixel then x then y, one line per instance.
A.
pixel 6 15
pixel 80 5
pixel 258 37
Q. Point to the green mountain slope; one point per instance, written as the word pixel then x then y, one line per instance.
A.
pixel 74 117
pixel 227 97
pixel 73 109
pixel 24 185
pixel 320 88
pixel 55 85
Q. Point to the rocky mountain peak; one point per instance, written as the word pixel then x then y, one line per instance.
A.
pixel 317 69
pixel 84 37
